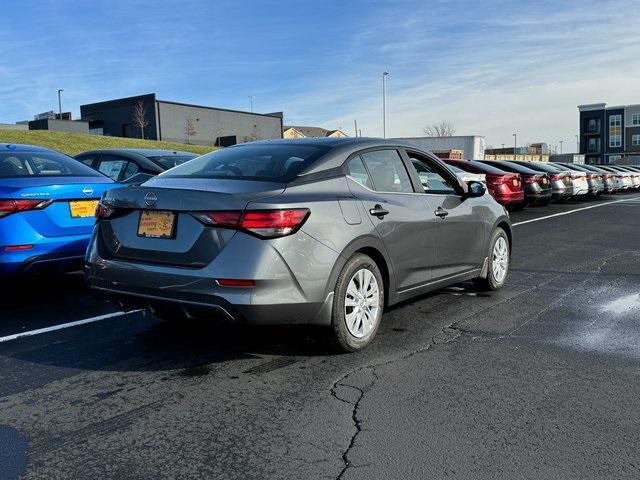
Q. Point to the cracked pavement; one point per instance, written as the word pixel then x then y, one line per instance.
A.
pixel 538 380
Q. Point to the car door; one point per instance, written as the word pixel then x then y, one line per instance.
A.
pixel 460 234
pixel 400 215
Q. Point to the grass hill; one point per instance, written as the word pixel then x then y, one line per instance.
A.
pixel 74 143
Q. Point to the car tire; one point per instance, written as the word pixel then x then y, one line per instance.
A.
pixel 358 304
pixel 498 264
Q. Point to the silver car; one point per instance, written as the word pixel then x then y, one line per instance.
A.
pixel 316 231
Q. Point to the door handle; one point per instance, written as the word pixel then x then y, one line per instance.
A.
pixel 440 212
pixel 378 211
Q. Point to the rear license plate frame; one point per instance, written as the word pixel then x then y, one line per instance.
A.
pixel 165 233
pixel 87 207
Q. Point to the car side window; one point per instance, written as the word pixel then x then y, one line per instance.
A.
pixel 430 179
pixel 130 171
pixel 112 166
pixel 387 171
pixel 87 160
pixel 359 173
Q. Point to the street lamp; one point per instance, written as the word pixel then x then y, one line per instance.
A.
pixel 384 104
pixel 251 102
pixel 515 146
pixel 60 90
pixel 560 142
pixel 577 143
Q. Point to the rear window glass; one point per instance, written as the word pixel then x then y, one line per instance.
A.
pixel 170 161
pixel 42 164
pixel 487 168
pixel 267 163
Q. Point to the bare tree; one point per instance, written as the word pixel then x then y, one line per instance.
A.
pixel 440 129
pixel 140 117
pixel 189 128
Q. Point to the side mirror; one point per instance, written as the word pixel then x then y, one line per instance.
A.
pixel 475 189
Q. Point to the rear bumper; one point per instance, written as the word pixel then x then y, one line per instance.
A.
pixel 290 283
pixel 538 196
pixel 216 308
pixel 509 198
pixel 59 254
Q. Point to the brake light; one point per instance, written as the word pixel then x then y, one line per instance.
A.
pixel 10 206
pixel 556 178
pixel 103 211
pixel 262 223
pixel 231 282
pixel 531 179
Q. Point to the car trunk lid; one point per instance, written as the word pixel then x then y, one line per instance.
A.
pixel 70 202
pixel 154 223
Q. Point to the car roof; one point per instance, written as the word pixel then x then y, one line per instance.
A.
pixel 19 147
pixel 337 148
pixel 145 152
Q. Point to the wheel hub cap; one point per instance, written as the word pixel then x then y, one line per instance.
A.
pixel 362 303
pixel 500 259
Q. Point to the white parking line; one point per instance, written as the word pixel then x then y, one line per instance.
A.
pixel 62 326
pixel 569 212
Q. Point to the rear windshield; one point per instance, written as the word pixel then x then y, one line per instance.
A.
pixel 42 164
pixel 268 163
pixel 514 167
pixel 170 161
pixel 486 168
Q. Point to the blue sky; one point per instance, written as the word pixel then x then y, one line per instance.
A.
pixel 490 67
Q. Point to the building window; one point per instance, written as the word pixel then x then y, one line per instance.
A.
pixel 635 119
pixel 614 158
pixel 635 139
pixel 615 131
pixel 592 125
pixel 593 145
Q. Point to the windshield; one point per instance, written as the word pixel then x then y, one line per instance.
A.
pixel 42 164
pixel 170 161
pixel 265 162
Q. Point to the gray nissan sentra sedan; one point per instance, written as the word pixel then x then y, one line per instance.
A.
pixel 316 231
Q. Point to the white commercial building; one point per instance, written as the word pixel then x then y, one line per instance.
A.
pixel 472 146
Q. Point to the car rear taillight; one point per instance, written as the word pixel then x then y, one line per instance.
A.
pixel 556 178
pixel 103 211
pixel 531 179
pixel 7 207
pixel 262 223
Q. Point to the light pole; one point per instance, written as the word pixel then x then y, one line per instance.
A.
pixel 560 142
pixel 60 90
pixel 515 146
pixel 251 102
pixel 384 104
pixel 577 143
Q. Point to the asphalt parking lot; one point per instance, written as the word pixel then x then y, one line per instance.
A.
pixel 537 380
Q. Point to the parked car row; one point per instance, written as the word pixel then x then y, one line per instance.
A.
pixel 319 231
pixel 538 183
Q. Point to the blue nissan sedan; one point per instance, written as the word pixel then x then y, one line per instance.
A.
pixel 47 205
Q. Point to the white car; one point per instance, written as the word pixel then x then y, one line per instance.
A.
pixel 467 177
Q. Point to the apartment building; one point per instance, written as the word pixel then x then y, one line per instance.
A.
pixel 610 134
